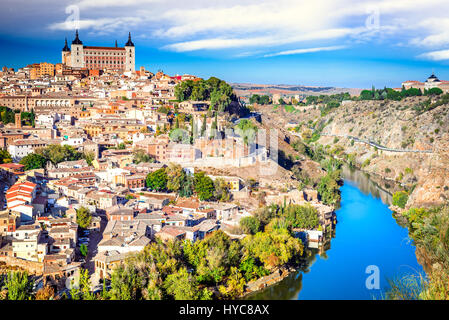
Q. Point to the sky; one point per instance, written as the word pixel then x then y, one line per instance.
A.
pixel 342 43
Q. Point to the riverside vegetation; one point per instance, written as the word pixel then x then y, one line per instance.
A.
pixel 397 119
pixel 214 268
pixel 429 229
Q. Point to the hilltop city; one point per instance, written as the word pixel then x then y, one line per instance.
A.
pixel 102 163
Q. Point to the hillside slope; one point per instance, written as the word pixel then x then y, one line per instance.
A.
pixel 400 125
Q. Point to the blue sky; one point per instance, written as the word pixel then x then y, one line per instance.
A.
pixel 343 43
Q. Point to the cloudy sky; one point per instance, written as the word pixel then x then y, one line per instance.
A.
pixel 350 43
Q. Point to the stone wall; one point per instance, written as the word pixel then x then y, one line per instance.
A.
pixel 266 281
pixel 32 267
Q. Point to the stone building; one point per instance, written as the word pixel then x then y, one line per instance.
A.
pixel 99 58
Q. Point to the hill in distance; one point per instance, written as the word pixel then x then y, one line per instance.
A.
pixel 248 89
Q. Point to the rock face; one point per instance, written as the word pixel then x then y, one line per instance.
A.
pixel 397 125
pixel 431 189
pixel 394 124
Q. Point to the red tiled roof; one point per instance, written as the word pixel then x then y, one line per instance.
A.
pixel 172 231
pixel 12 165
pixel 171 210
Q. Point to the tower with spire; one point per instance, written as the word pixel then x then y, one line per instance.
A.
pixel 130 65
pixel 66 54
pixel 77 52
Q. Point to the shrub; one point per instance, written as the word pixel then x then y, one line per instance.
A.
pixel 400 199
pixel 250 225
pixel 366 163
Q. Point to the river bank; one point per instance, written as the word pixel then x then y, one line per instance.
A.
pixel 366 235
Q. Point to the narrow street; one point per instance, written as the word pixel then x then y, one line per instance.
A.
pixel 94 239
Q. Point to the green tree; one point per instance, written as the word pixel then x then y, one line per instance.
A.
pixel 251 268
pixel 83 217
pixel 221 190
pixel 188 187
pixel 157 180
pixel 304 217
pixel 7 115
pixel 19 286
pixel 5 157
pixel 57 153
pixel 140 155
pixel 366 95
pixel 33 161
pixel 329 189
pixel 235 284
pixel 83 250
pixel 250 225
pixel 125 283
pixel 247 130
pixel 85 285
pixel 433 91
pixel 89 157
pixel 255 98
pixel 204 186
pixel 176 177
pixel 182 286
pixel 204 125
pixel 273 248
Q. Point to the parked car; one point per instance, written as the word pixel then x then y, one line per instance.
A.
pixel 85 239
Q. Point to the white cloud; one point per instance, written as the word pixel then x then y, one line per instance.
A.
pixel 305 50
pixel 278 16
pixel 436 55
pixel 437 33
pixel 106 25
pixel 87 4
pixel 266 41
pixel 267 24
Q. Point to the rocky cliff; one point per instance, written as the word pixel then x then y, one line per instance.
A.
pixel 419 139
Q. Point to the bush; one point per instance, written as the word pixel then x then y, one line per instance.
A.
pixel 328 188
pixel 366 163
pixel 250 225
pixel 400 199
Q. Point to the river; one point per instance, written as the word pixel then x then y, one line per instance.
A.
pixel 366 235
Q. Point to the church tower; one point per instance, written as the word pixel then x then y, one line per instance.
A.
pixel 130 61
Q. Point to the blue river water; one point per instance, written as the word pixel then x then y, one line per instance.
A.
pixel 366 235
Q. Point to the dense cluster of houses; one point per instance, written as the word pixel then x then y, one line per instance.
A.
pixel 111 117
pixel 39 223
